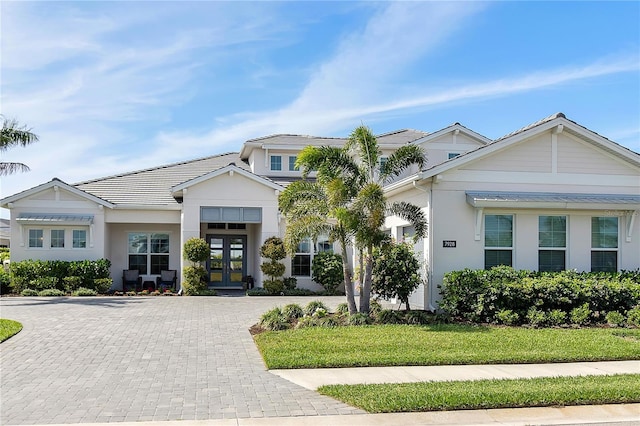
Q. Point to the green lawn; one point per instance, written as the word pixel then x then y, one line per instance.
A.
pixel 484 394
pixel 8 328
pixel 388 345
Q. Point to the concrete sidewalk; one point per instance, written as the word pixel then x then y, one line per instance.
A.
pixel 606 415
pixel 314 378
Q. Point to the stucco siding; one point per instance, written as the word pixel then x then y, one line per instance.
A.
pixel 118 252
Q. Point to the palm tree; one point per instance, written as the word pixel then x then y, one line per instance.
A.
pixel 370 203
pixel 320 207
pixel 348 200
pixel 11 135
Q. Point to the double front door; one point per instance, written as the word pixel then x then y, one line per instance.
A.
pixel 227 260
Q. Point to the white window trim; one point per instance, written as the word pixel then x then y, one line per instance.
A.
pixel 148 254
pixel 566 239
pixel 64 239
pixel 513 237
pixel 271 158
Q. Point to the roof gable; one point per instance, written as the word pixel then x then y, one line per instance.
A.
pixel 557 123
pixel 55 184
pixel 231 169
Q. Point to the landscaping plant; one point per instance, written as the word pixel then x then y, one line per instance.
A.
pixel 396 272
pixel 273 250
pixel 327 271
pixel 196 250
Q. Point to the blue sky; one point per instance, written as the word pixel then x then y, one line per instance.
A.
pixel 117 86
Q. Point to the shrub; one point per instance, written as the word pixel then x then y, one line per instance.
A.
pixel 388 316
pixel 195 281
pixel 273 286
pixel 507 317
pixel 536 317
pixel 273 250
pixel 257 292
pixel 274 319
pixel 313 306
pixel 396 272
pixel 342 309
pixel 5 282
pixel 72 283
pixel 102 285
pixel 327 321
pixel 51 292
pixel 84 292
pixel 23 272
pixel 580 315
pixel 327 271
pixel 556 317
pixel 615 319
pixel 417 318
pixel 358 319
pixel 5 254
pixel 29 292
pixel 306 321
pixel 633 316
pixel 44 283
pixel 479 295
pixel 292 311
pixel 290 283
pixel 196 250
pixel 374 307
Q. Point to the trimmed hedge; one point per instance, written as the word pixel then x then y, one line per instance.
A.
pixel 42 274
pixel 507 296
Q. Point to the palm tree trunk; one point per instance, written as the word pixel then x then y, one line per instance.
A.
pixel 365 293
pixel 348 282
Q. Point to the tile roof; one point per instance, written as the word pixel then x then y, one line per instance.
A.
pixel 152 186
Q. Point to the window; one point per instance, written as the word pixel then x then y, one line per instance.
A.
pixel 148 252
pixel 498 240
pixel 79 238
pixel 301 262
pixel 36 238
pixel 552 243
pixel 452 155
pixel 57 238
pixel 276 162
pixel 292 163
pixel 383 161
pixel 604 244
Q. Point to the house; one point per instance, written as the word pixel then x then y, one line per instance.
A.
pixel 553 195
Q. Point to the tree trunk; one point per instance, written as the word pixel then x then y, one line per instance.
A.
pixel 348 282
pixel 365 292
pixel 406 303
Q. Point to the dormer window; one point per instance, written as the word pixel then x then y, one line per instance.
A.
pixel 276 162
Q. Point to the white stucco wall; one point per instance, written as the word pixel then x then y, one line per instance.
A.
pixel 59 201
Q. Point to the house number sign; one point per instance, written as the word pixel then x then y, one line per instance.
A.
pixel 448 243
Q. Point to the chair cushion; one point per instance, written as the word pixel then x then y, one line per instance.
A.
pixel 131 274
pixel 167 275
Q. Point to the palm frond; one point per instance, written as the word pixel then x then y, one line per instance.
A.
pixel 12 134
pixel 411 213
pixel 11 168
pixel 401 159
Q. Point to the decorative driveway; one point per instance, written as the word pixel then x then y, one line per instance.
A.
pixel 115 359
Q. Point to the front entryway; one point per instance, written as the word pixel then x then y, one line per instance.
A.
pixel 227 263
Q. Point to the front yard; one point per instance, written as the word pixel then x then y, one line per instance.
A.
pixel 397 345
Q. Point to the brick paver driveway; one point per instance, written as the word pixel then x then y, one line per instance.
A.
pixel 113 359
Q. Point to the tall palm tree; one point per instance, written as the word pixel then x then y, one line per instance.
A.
pixel 348 200
pixel 12 134
pixel 312 208
pixel 370 203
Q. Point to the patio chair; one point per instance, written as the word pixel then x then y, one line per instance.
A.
pixel 167 279
pixel 131 280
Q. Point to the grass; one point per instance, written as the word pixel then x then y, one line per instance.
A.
pixel 484 394
pixel 8 328
pixel 392 345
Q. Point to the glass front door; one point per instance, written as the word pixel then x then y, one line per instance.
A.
pixel 227 260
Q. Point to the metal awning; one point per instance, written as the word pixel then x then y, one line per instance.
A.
pixel 54 219
pixel 553 200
